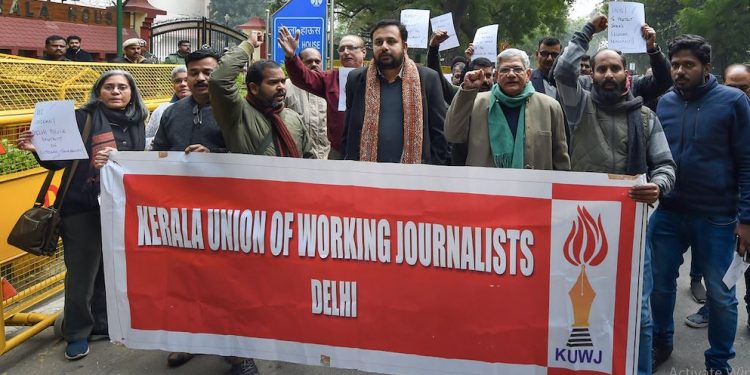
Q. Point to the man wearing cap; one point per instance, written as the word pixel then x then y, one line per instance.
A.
pixel 132 53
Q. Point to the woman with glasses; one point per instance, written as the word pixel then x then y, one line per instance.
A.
pixel 115 115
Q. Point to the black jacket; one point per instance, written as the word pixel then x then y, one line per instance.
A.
pixel 184 123
pixel 79 55
pixel 434 145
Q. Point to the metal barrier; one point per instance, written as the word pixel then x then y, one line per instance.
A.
pixel 23 83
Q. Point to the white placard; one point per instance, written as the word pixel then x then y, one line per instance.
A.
pixel 624 27
pixel 343 75
pixel 735 272
pixel 445 22
pixel 448 77
pixel 56 134
pixel 417 22
pixel 485 42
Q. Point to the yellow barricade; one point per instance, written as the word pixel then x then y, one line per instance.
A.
pixel 23 83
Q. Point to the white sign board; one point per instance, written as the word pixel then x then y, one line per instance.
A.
pixel 445 22
pixel 56 134
pixel 624 27
pixel 417 22
pixel 485 42
pixel 343 75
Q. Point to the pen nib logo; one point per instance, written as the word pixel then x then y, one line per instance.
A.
pixel 586 246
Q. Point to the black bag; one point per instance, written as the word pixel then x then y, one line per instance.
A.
pixel 37 231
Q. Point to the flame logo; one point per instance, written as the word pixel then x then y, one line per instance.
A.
pixel 586 244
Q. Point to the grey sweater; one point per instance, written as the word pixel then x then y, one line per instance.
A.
pixel 598 139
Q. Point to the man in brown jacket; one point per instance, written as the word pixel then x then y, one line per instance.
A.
pixel 510 126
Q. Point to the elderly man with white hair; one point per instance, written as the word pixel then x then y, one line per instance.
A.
pixel 510 126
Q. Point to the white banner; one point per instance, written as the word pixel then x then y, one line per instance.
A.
pixel 380 267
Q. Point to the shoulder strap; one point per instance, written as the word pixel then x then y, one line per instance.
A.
pixel 85 136
pixel 43 191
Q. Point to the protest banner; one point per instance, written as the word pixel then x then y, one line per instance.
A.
pixel 485 43
pixel 380 267
pixel 417 23
pixel 56 135
pixel 445 22
pixel 624 28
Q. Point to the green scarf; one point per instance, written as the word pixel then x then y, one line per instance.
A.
pixel 507 152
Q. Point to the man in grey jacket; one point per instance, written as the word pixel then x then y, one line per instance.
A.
pixel 613 132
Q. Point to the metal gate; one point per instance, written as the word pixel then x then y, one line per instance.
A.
pixel 199 31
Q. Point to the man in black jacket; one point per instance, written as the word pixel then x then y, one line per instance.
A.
pixel 75 52
pixel 395 109
pixel 189 125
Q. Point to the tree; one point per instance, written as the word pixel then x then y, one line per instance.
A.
pixel 719 21
pixel 538 16
pixel 237 10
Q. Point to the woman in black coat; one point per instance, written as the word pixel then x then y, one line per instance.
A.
pixel 117 114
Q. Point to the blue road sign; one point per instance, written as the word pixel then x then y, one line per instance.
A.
pixel 306 16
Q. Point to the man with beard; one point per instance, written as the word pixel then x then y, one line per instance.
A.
pixel 311 107
pixel 54 48
pixel 708 129
pixel 737 76
pixel 259 123
pixel 189 125
pixel 75 53
pixel 509 126
pixel 183 49
pixel 324 84
pixel 395 109
pixel 613 132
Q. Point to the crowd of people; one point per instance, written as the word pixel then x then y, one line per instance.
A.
pixel 677 125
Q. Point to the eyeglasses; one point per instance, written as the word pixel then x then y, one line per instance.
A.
pixel 547 54
pixel 110 87
pixel 516 70
pixel 348 48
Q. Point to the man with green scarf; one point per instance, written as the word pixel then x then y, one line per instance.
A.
pixel 510 126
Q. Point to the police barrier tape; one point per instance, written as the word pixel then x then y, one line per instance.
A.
pixel 380 267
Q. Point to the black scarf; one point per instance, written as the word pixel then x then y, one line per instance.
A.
pixel 636 160
pixel 103 119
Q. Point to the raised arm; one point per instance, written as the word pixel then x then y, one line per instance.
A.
pixel 572 95
pixel 652 86
pixel 302 76
pixel 226 100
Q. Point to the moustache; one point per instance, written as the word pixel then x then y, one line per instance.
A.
pixel 280 95
pixel 201 84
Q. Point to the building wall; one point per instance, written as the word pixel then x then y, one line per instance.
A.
pixel 181 9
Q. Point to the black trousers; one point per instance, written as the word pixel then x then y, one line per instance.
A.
pixel 85 297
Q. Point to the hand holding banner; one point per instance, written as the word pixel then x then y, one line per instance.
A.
pixel 624 30
pixel 417 22
pixel 335 247
pixel 485 42
pixel 445 22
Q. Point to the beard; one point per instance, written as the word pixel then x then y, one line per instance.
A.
pixel 610 95
pixel 394 63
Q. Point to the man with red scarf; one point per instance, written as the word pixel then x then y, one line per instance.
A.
pixel 258 123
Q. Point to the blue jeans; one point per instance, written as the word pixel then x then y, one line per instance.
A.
pixel 646 336
pixel 713 243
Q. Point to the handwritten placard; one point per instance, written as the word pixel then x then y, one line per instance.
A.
pixel 56 135
pixel 343 76
pixel 624 29
pixel 445 22
pixel 485 42
pixel 417 22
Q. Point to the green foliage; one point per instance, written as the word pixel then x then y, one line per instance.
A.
pixel 721 22
pixel 539 17
pixel 15 160
pixel 238 10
